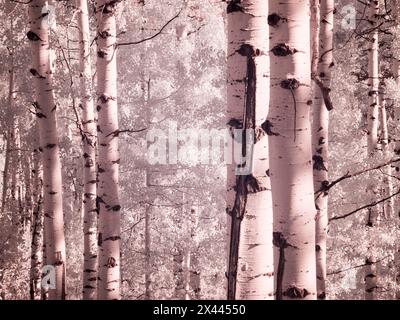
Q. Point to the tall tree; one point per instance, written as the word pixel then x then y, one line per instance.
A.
pixel 45 106
pixel 108 152
pixel 89 156
pixel 321 67
pixel 373 124
pixel 250 265
pixel 289 130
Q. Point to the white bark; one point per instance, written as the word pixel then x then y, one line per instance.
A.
pixel 373 124
pixel 324 63
pixel 108 153
pixel 37 224
pixel 38 35
pixel 289 132
pixel 89 157
pixel 388 206
pixel 249 206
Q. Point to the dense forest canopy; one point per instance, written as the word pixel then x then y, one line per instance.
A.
pixel 184 150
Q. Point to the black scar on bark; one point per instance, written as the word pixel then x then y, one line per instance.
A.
pixel 234 6
pixel 100 239
pixel 245 184
pixel 248 51
pixel 111 262
pixel 267 127
pixel 282 50
pixel 317 248
pixel 116 208
pixel 104 98
pixel 322 296
pixel 104 34
pixel 98 108
pixel 296 293
pixel 58 259
pixel 319 163
pixel 274 19
pixel 35 73
pixel 32 36
pixel 235 123
pixel 290 84
pixel 321 141
pixel 50 146
pixel 40 115
pixel 279 241
pixel 101 53
pixel 112 238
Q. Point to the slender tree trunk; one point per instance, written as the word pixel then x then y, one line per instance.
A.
pixel 45 105
pixel 195 280
pixel 37 222
pixel 89 157
pixel 15 181
pixel 289 131
pixel 373 124
pixel 6 171
pixel 321 67
pixel 186 266
pixel 179 274
pixel 36 248
pixel 147 252
pixel 9 134
pixel 388 206
pixel 108 160
pixel 250 264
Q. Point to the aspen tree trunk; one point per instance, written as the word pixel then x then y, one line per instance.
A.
pixel 195 280
pixel 388 206
pixel 89 157
pixel 9 134
pixel 15 179
pixel 249 206
pixel 29 207
pixel 36 246
pixel 6 172
pixel 38 35
pixel 373 124
pixel 147 252
pixel 289 131
pixel 373 81
pixel 323 49
pixel 186 265
pixel 179 275
pixel 108 153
